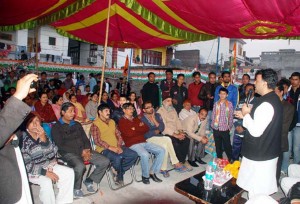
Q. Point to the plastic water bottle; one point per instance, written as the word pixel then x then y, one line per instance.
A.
pixel 209 176
pixel 214 161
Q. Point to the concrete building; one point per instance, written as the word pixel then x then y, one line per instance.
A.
pixel 285 61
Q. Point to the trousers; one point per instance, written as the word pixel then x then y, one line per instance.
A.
pixel 65 185
pixel 166 143
pixel 222 139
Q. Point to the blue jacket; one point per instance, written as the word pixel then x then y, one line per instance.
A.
pixel 233 94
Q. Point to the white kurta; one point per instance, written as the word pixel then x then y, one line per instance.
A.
pixel 258 177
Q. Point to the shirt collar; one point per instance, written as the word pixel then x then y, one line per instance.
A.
pixel 72 122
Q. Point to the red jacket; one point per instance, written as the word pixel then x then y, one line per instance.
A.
pixel 46 112
pixel 131 131
pixel 193 92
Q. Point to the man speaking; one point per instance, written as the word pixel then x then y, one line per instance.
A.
pixel 262 141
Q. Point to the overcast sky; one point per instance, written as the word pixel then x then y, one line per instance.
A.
pixel 254 48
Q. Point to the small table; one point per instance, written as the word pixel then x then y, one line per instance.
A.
pixel 193 188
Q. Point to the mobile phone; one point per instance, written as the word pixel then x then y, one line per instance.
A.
pixel 33 85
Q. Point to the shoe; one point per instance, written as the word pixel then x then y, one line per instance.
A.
pixel 78 193
pixel 145 180
pixel 188 166
pixel 165 173
pixel 193 163
pixel 155 178
pixel 119 182
pixel 89 187
pixel 181 169
pixel 200 161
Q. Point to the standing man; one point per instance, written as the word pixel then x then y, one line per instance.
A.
pixel 242 87
pixel 150 91
pixel 179 93
pixel 207 93
pixel 233 93
pixel 75 149
pixel 167 84
pixel 294 134
pixel 238 124
pixel 262 140
pixel 93 81
pixel 194 90
pixel 288 111
pixel 43 82
pixel 57 81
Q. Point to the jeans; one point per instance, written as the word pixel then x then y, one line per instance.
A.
pixel 76 162
pixel 236 146
pixel 121 162
pixel 143 149
pixel 294 144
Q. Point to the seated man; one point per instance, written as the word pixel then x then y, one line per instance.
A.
pixel 156 126
pixel 133 130
pixel 294 177
pixel 173 129
pixel 109 142
pixel 74 147
pixel 195 128
pixel 187 110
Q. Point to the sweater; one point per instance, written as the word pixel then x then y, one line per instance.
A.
pixel 70 138
pixel 91 109
pixel 105 135
pixel 193 92
pixel 132 131
pixel 38 156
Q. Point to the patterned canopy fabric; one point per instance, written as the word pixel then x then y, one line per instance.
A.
pixel 156 23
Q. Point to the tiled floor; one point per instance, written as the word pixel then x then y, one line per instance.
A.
pixel 139 193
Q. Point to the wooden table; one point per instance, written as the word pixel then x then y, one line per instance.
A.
pixel 193 188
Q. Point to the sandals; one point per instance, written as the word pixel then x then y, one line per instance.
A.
pixel 165 173
pixel 181 169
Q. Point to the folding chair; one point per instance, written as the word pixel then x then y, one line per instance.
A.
pixel 109 171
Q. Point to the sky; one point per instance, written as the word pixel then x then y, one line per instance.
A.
pixel 254 48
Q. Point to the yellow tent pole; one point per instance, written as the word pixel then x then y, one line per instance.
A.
pixel 105 51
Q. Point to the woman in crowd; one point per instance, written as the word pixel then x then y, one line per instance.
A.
pixel 91 107
pixel 133 100
pixel 80 114
pixel 57 101
pixel 41 165
pixel 66 97
pixel 45 111
pixel 106 100
pixel 115 99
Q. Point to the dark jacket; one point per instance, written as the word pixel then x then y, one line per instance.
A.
pixel 288 112
pixel 165 87
pixel 180 94
pixel 152 127
pixel 70 138
pixel 206 89
pixel 150 92
pixel 12 115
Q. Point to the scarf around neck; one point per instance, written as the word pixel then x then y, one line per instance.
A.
pixel 218 111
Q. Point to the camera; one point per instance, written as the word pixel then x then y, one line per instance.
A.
pixel 33 85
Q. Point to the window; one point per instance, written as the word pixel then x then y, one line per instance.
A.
pixel 52 41
pixel 152 57
pixel 240 50
pixel 93 50
pixel 121 49
pixel 5 36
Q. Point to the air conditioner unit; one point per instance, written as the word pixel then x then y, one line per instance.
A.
pixel 92 60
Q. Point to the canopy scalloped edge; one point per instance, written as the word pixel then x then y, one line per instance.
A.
pixel 63 13
pixel 163 25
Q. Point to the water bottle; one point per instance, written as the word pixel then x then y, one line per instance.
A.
pixel 209 176
pixel 214 161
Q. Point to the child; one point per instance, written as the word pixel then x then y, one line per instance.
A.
pixel 222 122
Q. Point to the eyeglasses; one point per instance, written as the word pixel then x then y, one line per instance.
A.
pixel 149 107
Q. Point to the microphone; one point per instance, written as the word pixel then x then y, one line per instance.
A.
pixel 249 96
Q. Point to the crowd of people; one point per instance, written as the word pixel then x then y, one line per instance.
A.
pixel 256 122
